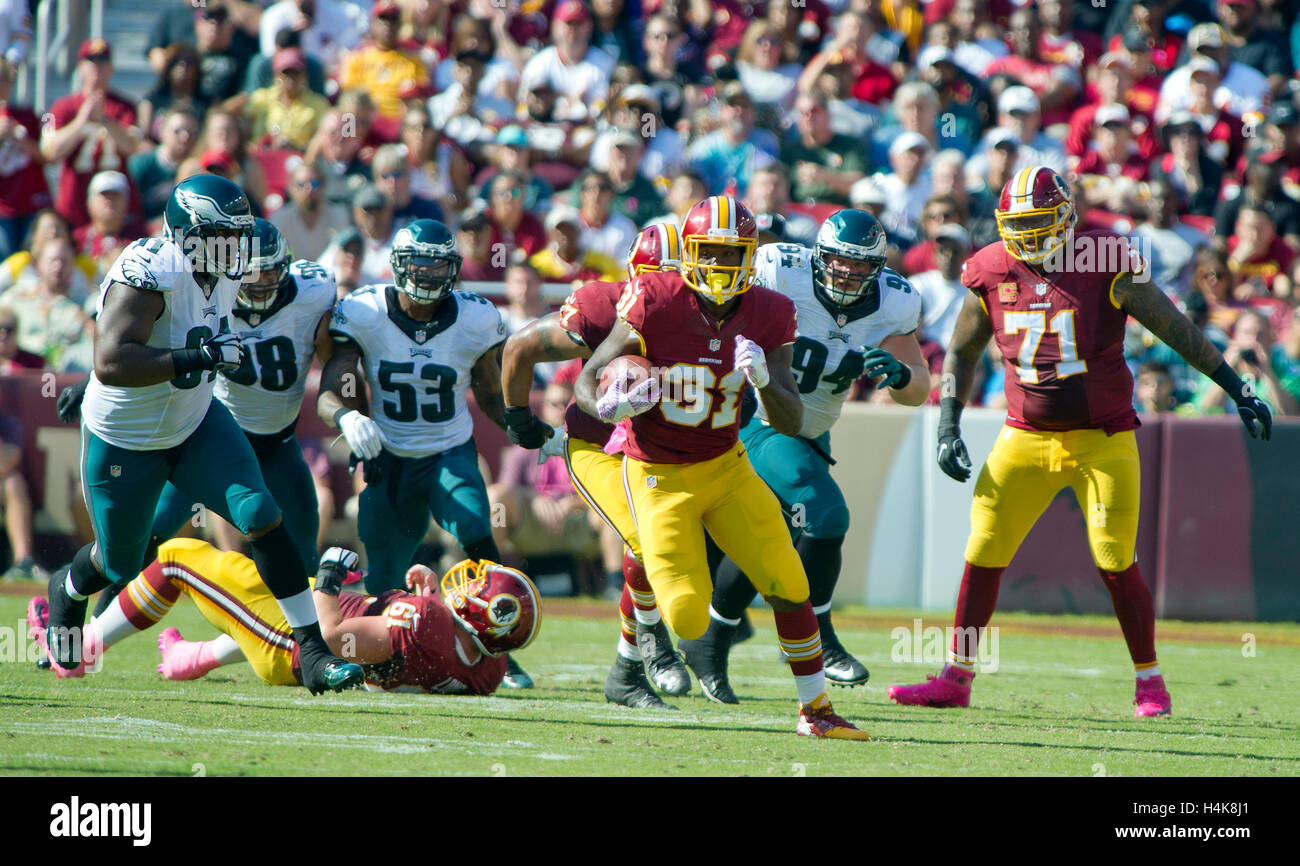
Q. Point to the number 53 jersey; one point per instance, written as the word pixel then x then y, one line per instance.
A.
pixel 1061 333
pixel 265 393
pixel 418 372
pixel 826 358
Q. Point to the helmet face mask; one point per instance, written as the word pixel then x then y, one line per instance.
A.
pixel 498 606
pixel 267 273
pixel 1035 214
pixel 848 259
pixel 719 238
pixel 426 264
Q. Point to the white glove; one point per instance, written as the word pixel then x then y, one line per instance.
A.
pixel 617 403
pixel 340 556
pixel 553 447
pixel 363 435
pixel 752 361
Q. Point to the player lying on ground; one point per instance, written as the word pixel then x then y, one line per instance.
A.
pixel 705 333
pixel 421 640
pixel 855 316
pixel 1057 309
pixel 421 346
pixel 161 337
pixel 583 322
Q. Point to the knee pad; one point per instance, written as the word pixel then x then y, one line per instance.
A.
pixel 253 511
pixel 828 522
pixel 687 614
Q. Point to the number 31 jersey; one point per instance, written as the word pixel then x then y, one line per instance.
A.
pixel 827 359
pixel 418 372
pixel 265 393
pixel 162 415
pixel 1061 334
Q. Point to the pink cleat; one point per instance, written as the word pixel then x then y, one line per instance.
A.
pixel 38 620
pixel 183 659
pixel 1152 698
pixel 950 689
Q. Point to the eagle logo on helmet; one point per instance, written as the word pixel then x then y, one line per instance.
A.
pixel 848 236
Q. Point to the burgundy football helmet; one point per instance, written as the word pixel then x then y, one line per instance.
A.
pixel 719 220
pixel 1035 214
pixel 497 605
pixel 657 248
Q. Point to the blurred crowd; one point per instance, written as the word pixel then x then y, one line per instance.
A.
pixel 546 133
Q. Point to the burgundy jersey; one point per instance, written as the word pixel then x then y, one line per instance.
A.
pixel 95 152
pixel 589 313
pixel 1060 333
pixel 697 416
pixel 422 633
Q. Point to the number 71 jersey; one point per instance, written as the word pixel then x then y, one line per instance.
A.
pixel 1060 333
pixel 826 358
pixel 265 393
pixel 418 372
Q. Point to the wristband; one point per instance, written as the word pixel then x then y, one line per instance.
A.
pixel 338 416
pixel 1227 379
pixel 188 361
pixel 907 379
pixel 950 415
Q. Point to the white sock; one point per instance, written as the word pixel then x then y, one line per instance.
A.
pixel 809 686
pixel 1148 673
pixel 821 609
pixel 298 609
pixel 963 663
pixel 647 617
pixel 71 590
pixel 722 619
pixel 627 651
pixel 226 650
pixel 112 624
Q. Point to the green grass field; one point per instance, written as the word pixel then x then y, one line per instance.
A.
pixel 1058 705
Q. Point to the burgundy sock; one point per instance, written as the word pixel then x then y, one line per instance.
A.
pixel 627 614
pixel 800 639
pixel 975 605
pixel 1134 610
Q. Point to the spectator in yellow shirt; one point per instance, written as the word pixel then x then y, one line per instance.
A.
pixel 287 111
pixel 564 260
pixel 382 66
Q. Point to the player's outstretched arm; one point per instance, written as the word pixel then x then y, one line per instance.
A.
pixel 970 337
pixel 122 356
pixel 543 339
pixel 780 395
pixel 622 340
pixel 485 382
pixel 1144 301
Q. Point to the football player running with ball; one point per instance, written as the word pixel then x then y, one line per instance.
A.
pixel 1057 306
pixel 148 417
pixel 644 646
pixel 421 347
pixel 855 316
pixel 416 640
pixel 706 333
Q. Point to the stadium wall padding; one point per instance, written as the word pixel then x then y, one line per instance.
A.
pixel 1218 539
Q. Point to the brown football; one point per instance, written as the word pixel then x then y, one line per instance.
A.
pixel 632 369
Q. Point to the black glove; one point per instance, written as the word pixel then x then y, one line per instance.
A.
pixel 69 405
pixel 334 566
pixel 525 429
pixel 878 362
pixel 954 460
pixel 222 352
pixel 371 470
pixel 1254 414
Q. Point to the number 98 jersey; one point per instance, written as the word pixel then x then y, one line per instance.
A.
pixel 418 372
pixel 265 393
pixel 827 359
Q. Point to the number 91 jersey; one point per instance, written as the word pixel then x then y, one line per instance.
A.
pixel 265 393
pixel 826 357
pixel 418 372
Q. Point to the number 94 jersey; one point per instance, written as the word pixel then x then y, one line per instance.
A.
pixel 826 357
pixel 265 393
pixel 418 372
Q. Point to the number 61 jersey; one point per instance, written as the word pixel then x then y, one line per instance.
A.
pixel 265 393
pixel 826 357
pixel 418 372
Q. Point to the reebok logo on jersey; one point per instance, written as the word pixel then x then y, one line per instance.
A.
pixel 424 353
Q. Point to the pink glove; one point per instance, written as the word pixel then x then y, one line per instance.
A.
pixel 752 361
pixel 617 403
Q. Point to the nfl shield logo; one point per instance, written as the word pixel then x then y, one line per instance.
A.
pixel 1040 289
pixel 115 471
pixel 1007 293
pixel 841 319
pixel 255 319
pixel 715 345
pixel 420 336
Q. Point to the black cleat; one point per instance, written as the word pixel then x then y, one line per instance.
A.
pixel 515 677
pixel 64 621
pixel 627 685
pixel 325 673
pixel 841 668
pixel 708 658
pixel 662 664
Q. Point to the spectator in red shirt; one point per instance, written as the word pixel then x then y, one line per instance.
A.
pixel 23 190
pixel 111 228
pixel 939 210
pixel 1114 85
pixel 480 261
pixel 514 230
pixel 1146 24
pixel 873 82
pixel 1055 85
pixel 88 132
pixel 1112 168
pixel 1256 255
pixel 1223 134
pixel 1059 41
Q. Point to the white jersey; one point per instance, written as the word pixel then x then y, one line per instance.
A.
pixel 153 417
pixel 418 372
pixel 823 366
pixel 265 393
